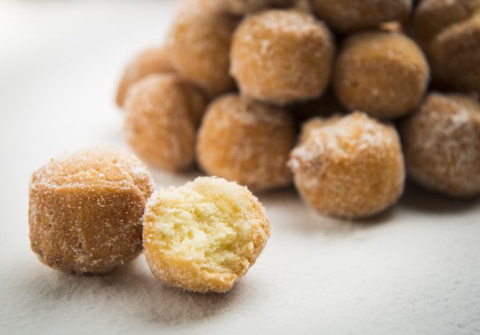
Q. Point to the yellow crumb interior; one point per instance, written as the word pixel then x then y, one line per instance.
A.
pixel 210 228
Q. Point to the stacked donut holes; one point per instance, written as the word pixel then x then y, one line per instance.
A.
pixel 236 79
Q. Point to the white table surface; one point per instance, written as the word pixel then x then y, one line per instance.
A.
pixel 413 270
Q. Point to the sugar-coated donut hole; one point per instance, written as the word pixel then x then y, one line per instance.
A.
pixel 282 56
pixel 149 61
pixel 162 114
pixel 455 56
pixel 431 17
pixel 204 236
pixel 86 208
pixel 348 16
pixel 199 46
pixel 382 73
pixel 442 144
pixel 449 32
pixel 348 167
pixel 246 141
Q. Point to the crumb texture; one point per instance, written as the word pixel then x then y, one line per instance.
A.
pixel 205 235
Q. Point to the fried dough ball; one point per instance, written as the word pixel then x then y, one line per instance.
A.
pixel 449 32
pixel 433 16
pixel 199 46
pixel 242 7
pixel 246 141
pixel 281 56
pixel 384 74
pixel 348 167
pixel 347 16
pixel 442 144
pixel 153 60
pixel 162 114
pixel 86 209
pixel 205 235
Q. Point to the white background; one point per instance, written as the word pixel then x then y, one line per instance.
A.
pixel 413 270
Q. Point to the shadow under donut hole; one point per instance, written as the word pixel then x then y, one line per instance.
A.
pixel 129 295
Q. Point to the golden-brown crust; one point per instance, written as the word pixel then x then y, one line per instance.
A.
pixel 246 141
pixel 199 45
pixel 348 16
pixel 349 167
pixel 152 60
pixel 442 144
pixel 162 115
pixel 85 210
pixel 449 32
pixel 184 272
pixel 281 56
pixel 431 17
pixel 455 56
pixel 384 74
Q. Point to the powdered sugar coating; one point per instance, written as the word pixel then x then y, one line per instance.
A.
pixel 349 16
pixel 199 45
pixel 442 144
pixel 162 114
pixel 281 56
pixel 85 210
pixel 246 141
pixel 348 166
pixel 152 60
pixel 384 74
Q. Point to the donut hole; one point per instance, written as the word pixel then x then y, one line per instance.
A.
pixel 203 236
pixel 206 228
